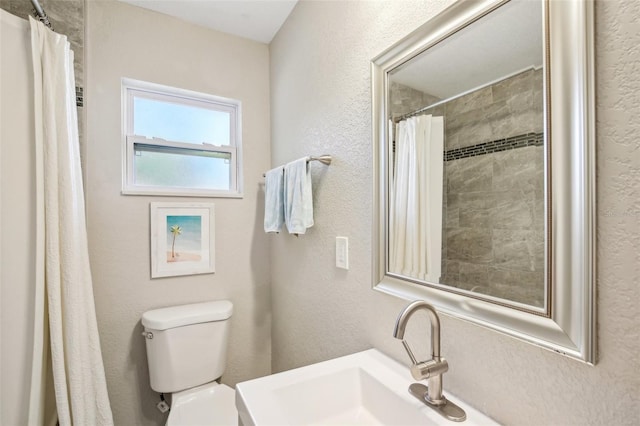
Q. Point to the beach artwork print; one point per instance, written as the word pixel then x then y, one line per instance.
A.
pixel 182 239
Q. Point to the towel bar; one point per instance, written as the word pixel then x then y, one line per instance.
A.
pixel 324 159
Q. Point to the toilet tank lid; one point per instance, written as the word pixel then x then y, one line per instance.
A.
pixel 195 313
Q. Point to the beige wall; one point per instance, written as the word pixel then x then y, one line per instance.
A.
pixel 320 85
pixel 125 41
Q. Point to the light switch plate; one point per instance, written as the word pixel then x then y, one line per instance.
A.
pixel 342 252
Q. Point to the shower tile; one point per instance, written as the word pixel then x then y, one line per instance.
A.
pixel 471 175
pixel 472 101
pixel 516 249
pixel 514 210
pixel 476 209
pixel 522 286
pixel 450 272
pixel 468 129
pixel 452 211
pixel 404 99
pixel 517 84
pixel 469 244
pixel 494 214
pixel 498 111
pixel 473 274
pixel 518 169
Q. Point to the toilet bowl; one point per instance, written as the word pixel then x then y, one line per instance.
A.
pixel 212 404
pixel 186 353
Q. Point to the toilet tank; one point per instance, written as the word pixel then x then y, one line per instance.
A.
pixel 187 344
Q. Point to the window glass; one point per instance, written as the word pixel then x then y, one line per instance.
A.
pixel 181 168
pixel 178 122
pixel 179 142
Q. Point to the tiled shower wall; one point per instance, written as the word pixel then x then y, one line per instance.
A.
pixel 404 99
pixel 507 108
pixel 493 230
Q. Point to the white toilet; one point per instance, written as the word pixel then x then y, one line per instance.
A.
pixel 186 351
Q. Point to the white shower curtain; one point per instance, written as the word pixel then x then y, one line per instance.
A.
pixel 415 219
pixel 78 371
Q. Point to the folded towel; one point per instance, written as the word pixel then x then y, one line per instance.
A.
pixel 298 198
pixel 273 200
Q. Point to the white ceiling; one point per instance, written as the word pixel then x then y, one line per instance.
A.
pixel 500 44
pixel 506 41
pixel 257 20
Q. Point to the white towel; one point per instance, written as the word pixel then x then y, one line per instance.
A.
pixel 298 198
pixel 273 200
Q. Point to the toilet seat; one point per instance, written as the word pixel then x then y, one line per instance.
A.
pixel 207 405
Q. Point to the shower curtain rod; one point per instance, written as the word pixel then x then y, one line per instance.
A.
pixel 466 92
pixel 418 111
pixel 40 14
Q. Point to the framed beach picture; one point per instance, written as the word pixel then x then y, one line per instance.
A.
pixel 182 239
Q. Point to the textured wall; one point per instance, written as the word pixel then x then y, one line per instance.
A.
pixel 320 84
pixel 126 41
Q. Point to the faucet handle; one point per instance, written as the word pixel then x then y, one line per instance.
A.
pixel 424 370
pixel 414 361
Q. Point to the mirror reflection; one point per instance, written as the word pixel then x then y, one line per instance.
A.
pixel 467 172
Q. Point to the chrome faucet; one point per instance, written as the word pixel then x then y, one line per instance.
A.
pixel 432 369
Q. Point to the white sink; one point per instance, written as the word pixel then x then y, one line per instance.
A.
pixel 366 388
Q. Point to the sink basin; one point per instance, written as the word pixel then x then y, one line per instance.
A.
pixel 349 396
pixel 365 388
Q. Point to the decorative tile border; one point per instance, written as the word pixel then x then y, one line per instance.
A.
pixel 79 96
pixel 520 141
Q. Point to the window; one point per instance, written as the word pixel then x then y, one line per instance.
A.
pixel 178 142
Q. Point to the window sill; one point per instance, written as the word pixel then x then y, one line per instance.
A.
pixel 167 192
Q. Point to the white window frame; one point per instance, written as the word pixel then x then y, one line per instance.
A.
pixel 135 88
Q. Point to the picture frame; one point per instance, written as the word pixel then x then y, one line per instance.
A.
pixel 182 239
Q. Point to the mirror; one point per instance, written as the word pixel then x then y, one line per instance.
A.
pixel 484 155
pixel 468 211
